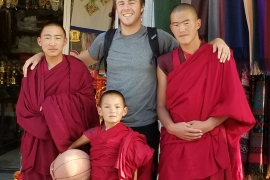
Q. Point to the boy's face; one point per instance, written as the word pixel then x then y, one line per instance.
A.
pixel 112 109
pixel 52 40
pixel 184 25
pixel 129 12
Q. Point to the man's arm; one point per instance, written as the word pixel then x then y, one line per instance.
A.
pixel 86 58
pixel 34 60
pixel 223 49
pixel 182 130
pixel 79 142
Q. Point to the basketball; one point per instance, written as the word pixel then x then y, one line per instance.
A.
pixel 72 164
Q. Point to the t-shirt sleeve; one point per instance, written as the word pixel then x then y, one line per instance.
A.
pixel 96 48
pixel 166 42
pixel 165 63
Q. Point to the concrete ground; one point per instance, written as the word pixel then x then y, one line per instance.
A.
pixel 6 176
pixel 9 163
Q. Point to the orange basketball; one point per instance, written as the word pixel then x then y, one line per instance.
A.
pixel 72 164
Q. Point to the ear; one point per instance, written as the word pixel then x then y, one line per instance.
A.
pixel 99 111
pixel 39 41
pixel 125 111
pixel 65 42
pixel 142 9
pixel 199 23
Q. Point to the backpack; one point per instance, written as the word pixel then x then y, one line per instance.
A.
pixel 153 41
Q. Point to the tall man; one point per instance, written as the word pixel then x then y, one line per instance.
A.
pixel 130 68
pixel 202 106
pixel 56 104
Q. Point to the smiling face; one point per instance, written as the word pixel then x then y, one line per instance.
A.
pixel 129 12
pixel 112 109
pixel 184 25
pixel 52 40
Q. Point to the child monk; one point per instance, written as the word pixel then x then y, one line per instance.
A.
pixel 117 152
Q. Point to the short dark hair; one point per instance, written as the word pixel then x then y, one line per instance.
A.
pixel 52 23
pixel 185 6
pixel 110 92
pixel 142 2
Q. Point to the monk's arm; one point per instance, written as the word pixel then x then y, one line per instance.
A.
pixel 209 124
pixel 79 142
pixel 182 129
pixel 223 49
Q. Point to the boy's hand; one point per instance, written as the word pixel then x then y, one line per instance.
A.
pixel 184 131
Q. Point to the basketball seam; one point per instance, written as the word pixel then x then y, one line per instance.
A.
pixel 75 175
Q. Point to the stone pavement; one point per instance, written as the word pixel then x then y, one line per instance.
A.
pixel 9 163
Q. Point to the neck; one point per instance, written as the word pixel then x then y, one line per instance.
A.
pixel 53 61
pixel 192 46
pixel 109 125
pixel 129 30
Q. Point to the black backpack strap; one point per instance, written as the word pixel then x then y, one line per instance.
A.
pixel 153 41
pixel 107 43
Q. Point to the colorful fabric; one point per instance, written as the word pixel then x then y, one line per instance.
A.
pixel 202 11
pixel 199 80
pixel 237 31
pixel 118 152
pixel 267 37
pixel 244 141
pixel 66 96
pixel 259 135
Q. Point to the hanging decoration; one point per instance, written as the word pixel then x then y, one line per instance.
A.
pixel 91 7
pixel 74 36
pixel 104 2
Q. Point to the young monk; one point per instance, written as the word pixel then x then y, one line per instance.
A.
pixel 56 104
pixel 202 107
pixel 117 152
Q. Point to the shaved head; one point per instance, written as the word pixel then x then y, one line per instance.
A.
pixel 185 7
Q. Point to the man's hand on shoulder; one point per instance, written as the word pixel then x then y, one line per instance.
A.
pixel 34 60
pixel 224 52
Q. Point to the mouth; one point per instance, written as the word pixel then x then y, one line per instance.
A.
pixel 127 15
pixel 184 35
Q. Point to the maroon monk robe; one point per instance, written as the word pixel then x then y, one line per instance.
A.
pixel 117 153
pixel 66 96
pixel 199 88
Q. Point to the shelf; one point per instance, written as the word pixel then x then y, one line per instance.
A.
pixel 27 33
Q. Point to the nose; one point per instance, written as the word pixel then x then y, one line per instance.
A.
pixel 52 41
pixel 112 109
pixel 181 28
pixel 126 6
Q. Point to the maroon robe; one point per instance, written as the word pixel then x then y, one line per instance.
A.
pixel 199 88
pixel 66 96
pixel 117 153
